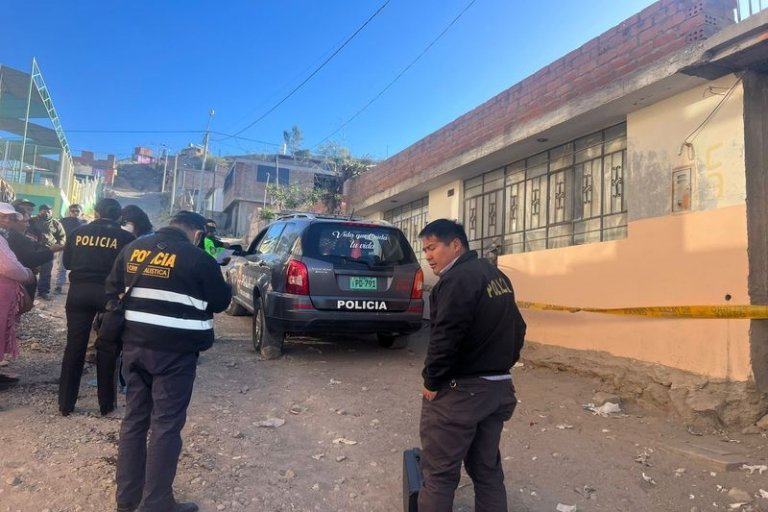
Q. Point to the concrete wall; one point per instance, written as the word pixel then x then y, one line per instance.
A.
pixel 694 257
pixel 756 162
pixel 444 206
pixel 655 137
pixel 40 194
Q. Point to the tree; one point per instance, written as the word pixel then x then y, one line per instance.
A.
pixel 214 162
pixel 293 140
pixel 293 197
pixel 344 166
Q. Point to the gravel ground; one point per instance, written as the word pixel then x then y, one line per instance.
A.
pixel 323 428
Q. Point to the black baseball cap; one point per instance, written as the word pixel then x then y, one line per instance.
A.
pixel 22 202
pixel 190 219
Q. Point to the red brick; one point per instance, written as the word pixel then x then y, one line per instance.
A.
pixel 647 36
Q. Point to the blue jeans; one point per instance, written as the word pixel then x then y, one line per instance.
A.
pixel 44 279
pixel 61 273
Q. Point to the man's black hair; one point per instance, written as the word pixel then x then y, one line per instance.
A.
pixel 74 206
pixel 108 208
pixel 446 231
pixel 189 220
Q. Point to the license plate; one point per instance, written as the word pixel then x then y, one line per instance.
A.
pixel 362 283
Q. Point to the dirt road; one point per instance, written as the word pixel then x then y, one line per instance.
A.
pixel 345 411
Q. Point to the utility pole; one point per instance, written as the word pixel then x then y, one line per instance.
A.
pixel 173 190
pixel 211 113
pixel 277 171
pixel 266 185
pixel 165 168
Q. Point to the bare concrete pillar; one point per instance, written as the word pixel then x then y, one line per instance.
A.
pixel 756 161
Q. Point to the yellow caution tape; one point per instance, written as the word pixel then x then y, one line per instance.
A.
pixel 749 311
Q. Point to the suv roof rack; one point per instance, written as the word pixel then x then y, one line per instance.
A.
pixel 327 216
pixel 312 215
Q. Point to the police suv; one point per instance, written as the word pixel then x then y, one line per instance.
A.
pixel 308 274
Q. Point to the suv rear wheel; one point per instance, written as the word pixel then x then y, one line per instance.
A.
pixel 393 341
pixel 265 342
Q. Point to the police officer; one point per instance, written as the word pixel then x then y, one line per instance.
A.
pixel 89 255
pixel 168 322
pixel 476 336
pixel 210 243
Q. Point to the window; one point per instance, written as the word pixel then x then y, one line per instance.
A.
pixel 411 219
pixel 267 245
pixel 357 244
pixel 287 239
pixel 569 195
pixel 266 174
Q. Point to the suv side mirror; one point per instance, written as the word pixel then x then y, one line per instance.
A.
pixel 238 250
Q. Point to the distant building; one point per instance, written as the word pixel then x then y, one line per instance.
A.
pixel 245 190
pixel 142 155
pixel 87 165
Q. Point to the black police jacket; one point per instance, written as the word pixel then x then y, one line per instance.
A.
pixel 476 327
pixel 171 305
pixel 91 250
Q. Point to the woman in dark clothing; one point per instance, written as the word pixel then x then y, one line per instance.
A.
pixel 136 221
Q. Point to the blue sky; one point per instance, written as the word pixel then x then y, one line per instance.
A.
pixel 146 66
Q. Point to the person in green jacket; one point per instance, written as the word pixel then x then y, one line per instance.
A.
pixel 210 243
pixel 52 235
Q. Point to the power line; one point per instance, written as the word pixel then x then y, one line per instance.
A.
pixel 142 132
pixel 321 66
pixel 390 84
pixel 136 131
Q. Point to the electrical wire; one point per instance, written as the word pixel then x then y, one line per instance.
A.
pixel 390 84
pixel 317 70
pixel 688 141
pixel 136 131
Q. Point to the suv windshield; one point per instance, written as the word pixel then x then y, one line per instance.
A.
pixel 358 243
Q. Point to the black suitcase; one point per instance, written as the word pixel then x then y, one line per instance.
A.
pixel 411 479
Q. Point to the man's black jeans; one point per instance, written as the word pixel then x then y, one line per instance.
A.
pixel 463 424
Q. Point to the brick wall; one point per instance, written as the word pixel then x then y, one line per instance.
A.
pixel 646 37
pixel 88 158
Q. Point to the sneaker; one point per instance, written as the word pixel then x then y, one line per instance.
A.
pixel 58 291
pixel 43 296
pixel 185 506
pixel 9 378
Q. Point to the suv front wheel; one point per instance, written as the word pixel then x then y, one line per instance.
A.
pixel 235 309
pixel 267 343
